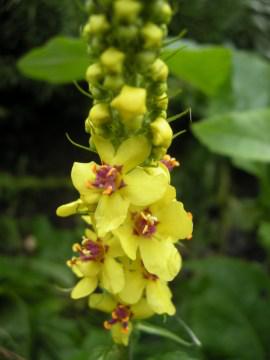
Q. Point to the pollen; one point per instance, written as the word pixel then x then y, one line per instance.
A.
pixel 121 314
pixel 170 162
pixel 145 223
pixel 108 178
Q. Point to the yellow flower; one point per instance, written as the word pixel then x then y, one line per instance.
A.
pixel 119 182
pixel 77 206
pixel 96 262
pixel 130 103
pixel 152 230
pixel 138 280
pixel 120 323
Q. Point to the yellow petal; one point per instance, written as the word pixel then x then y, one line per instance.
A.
pixel 159 297
pixel 120 337
pixel 88 268
pixel 128 241
pixel 71 208
pixel 134 285
pixel 111 212
pixel 84 287
pixel 102 302
pixel 174 221
pixel 112 276
pixel 115 249
pixel 132 152
pixel 167 198
pixel 143 189
pixel 82 174
pixel 104 148
pixel 160 258
pixel 142 310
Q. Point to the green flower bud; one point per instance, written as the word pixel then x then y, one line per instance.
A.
pixel 127 34
pixel 113 82
pixel 158 152
pixel 112 60
pixel 152 35
pixel 94 74
pixel 161 132
pixel 97 92
pixel 162 101
pixel 98 24
pixel 145 59
pixel 126 10
pixel 99 114
pixel 159 70
pixel 162 12
pixel 130 103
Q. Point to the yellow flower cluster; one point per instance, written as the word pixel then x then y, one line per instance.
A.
pixel 128 251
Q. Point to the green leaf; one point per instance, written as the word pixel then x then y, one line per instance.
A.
pixel 227 304
pixel 264 234
pixel 252 167
pixel 60 60
pixel 245 134
pixel 248 88
pixel 205 68
pixel 176 355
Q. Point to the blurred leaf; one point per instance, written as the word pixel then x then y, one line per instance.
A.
pixel 248 88
pixel 14 324
pixel 60 60
pixel 264 234
pixel 244 134
pixel 176 355
pixel 257 169
pixel 205 68
pixel 227 302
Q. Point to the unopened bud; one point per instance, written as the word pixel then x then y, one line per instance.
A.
pixel 127 10
pixel 161 132
pixel 98 24
pixel 99 114
pixel 159 70
pixel 94 73
pixel 152 35
pixel 130 103
pixel 113 82
pixel 112 60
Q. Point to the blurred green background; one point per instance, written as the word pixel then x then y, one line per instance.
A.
pixel 223 290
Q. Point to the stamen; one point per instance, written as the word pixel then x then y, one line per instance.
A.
pixel 108 178
pixel 121 314
pixel 145 223
pixel 170 162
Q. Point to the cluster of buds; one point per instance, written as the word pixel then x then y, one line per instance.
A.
pixel 128 253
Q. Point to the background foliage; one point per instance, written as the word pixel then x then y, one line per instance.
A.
pixel 223 291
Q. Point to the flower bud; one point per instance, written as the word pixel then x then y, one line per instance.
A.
pixel 127 34
pixel 159 70
pixel 112 60
pixel 99 114
pixel 161 101
pixel 161 132
pixel 162 12
pixel 71 208
pixel 94 73
pixel 145 59
pixel 130 103
pixel 126 10
pixel 98 24
pixel 113 82
pixel 152 35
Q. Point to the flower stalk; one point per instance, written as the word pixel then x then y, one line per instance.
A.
pixel 128 254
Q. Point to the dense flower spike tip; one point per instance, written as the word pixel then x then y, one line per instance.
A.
pixel 128 253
